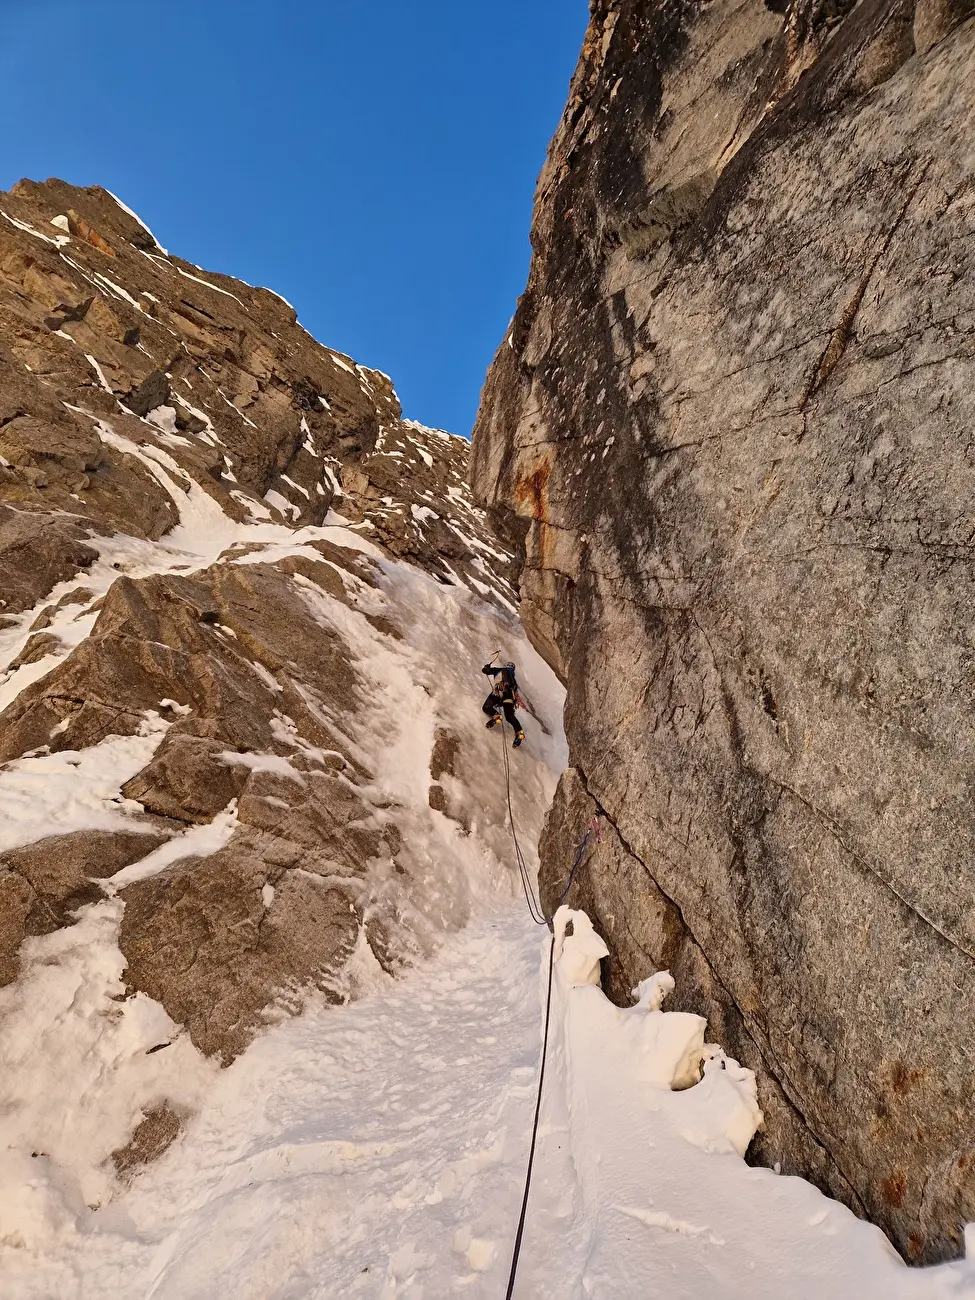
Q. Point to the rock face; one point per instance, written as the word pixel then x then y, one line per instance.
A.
pixel 237 690
pixel 730 433
pixel 98 323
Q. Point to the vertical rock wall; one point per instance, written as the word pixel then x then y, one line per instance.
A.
pixel 732 433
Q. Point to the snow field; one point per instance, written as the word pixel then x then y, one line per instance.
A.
pixel 378 1150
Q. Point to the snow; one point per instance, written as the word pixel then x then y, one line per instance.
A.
pixel 442 434
pixel 209 434
pixel 297 486
pixel 58 240
pixel 283 506
pixel 164 418
pixel 53 794
pixel 137 218
pixel 264 763
pixel 280 296
pixel 309 441
pixel 422 452
pixel 71 977
pixel 118 291
pixel 197 842
pixel 236 408
pixel 216 289
pixel 378 1150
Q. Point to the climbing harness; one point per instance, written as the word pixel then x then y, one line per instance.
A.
pixel 537 914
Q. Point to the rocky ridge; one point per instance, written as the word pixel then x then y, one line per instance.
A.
pixel 242 598
pixel 730 435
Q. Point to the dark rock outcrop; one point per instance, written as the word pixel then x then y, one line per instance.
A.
pixel 730 433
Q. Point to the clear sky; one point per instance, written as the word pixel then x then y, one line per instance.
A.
pixel 371 160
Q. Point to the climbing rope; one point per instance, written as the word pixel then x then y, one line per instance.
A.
pixel 537 914
pixel 538 1108
pixel 531 898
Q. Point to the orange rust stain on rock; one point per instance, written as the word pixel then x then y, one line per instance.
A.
pixel 902 1079
pixel 532 491
pixel 892 1189
pixel 531 494
pixel 915 1244
pixel 80 228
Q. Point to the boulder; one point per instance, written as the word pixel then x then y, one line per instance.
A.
pixel 216 940
pixel 37 551
pixel 43 883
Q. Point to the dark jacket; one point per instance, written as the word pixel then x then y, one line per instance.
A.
pixel 506 688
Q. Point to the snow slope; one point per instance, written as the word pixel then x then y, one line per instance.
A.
pixel 379 1150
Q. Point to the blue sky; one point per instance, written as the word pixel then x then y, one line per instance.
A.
pixel 371 160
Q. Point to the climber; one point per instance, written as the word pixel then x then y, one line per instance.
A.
pixel 504 696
